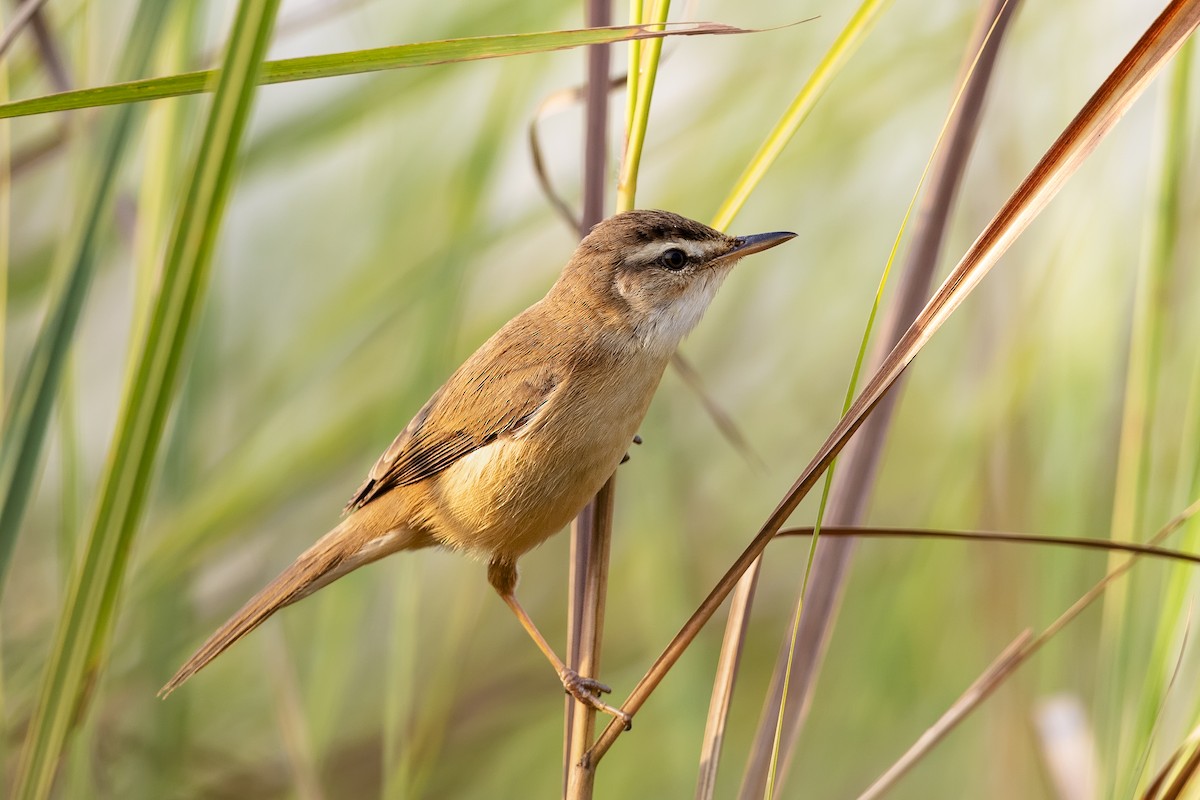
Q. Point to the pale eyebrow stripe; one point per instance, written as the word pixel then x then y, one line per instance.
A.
pixel 651 251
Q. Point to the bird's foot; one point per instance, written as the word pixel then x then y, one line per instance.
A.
pixel 588 690
pixel 636 440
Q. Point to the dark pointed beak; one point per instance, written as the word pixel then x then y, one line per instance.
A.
pixel 745 245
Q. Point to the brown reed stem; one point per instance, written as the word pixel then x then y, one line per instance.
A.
pixel 591 534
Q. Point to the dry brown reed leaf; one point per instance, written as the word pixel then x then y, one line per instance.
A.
pixel 859 463
pixel 1081 137
pixel 992 678
pixel 550 105
pixel 975 694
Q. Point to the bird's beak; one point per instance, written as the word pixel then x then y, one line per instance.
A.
pixel 745 245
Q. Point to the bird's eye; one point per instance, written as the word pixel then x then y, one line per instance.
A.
pixel 674 259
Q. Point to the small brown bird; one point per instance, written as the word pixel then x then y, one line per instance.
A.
pixel 525 432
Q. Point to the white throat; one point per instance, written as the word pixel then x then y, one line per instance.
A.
pixel 664 328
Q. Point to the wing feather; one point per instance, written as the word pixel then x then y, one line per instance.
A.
pixel 494 394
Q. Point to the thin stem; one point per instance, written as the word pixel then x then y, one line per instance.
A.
pixel 591 534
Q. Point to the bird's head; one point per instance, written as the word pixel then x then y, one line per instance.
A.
pixel 654 273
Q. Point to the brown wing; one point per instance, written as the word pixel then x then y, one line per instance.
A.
pixel 488 397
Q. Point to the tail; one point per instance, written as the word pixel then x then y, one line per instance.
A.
pixel 344 549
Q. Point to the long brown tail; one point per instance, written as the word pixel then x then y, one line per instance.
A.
pixel 344 549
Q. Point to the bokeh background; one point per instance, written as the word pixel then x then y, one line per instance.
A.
pixel 382 226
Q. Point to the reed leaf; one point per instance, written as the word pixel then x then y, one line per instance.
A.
pixel 831 64
pixel 81 641
pixel 28 413
pixel 402 56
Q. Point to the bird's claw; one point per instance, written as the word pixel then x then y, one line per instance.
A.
pixel 588 690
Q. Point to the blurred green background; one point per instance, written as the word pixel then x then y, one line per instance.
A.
pixel 382 226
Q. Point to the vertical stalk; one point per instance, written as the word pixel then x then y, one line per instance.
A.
pixel 595 522
pixel 594 528
pixel 642 82
pixel 591 534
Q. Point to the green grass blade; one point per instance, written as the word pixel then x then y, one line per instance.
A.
pixel 1134 449
pixel 402 56
pixel 855 32
pixel 634 66
pixel 641 87
pixel 28 413
pixel 1164 234
pixel 88 614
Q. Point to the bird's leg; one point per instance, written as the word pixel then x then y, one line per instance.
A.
pixel 503 577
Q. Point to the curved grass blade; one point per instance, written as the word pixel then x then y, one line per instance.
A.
pixel 401 56
pixel 83 631
pixel 999 537
pixel 840 52
pixel 27 416
pixel 1072 148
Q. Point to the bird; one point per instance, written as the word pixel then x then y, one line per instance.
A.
pixel 528 429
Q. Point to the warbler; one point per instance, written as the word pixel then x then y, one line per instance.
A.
pixel 530 427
